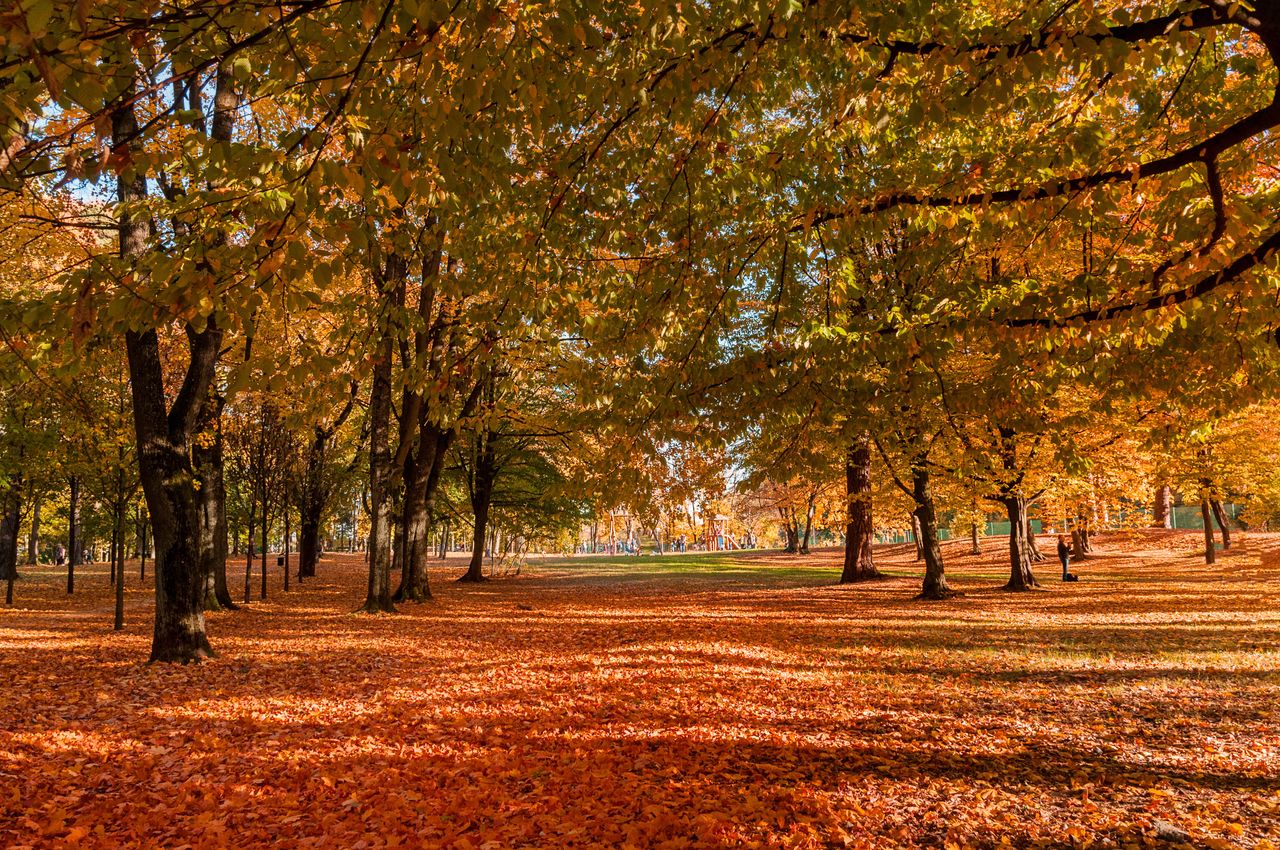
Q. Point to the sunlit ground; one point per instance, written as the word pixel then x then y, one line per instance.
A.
pixel 694 701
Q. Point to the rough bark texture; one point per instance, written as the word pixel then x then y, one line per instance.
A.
pixel 1020 575
pixel 207 457
pixel 975 543
pixel 422 475
pixel 859 564
pixel 915 536
pixel 1162 507
pixel 926 516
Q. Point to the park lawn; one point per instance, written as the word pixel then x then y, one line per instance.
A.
pixel 730 700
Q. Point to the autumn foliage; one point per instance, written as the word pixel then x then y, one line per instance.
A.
pixel 723 701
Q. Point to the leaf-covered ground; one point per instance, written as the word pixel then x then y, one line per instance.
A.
pixel 709 701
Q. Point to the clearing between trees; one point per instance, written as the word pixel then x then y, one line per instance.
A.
pixel 730 700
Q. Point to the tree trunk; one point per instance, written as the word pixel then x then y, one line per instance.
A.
pixel 859 565
pixel 173 500
pixel 207 458
pixel 1220 515
pixel 163 434
pixel 9 523
pixel 264 529
pixel 311 506
pixel 111 551
pixel 144 549
pixel 118 531
pixel 248 549
pixel 481 500
pixel 789 527
pixel 285 546
pixel 808 523
pixel 1020 575
pixel 378 596
pixel 73 532
pixel 915 535
pixel 926 516
pixel 1206 514
pixel 420 477
pixel 1033 548
pixel 1162 510
pixel 975 544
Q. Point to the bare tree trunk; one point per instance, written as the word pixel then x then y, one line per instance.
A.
pixel 285 546
pixel 74 544
pixel 1206 515
pixel 926 516
pixel 311 505
pixel 1224 524
pixel 481 501
pixel 789 526
pixel 9 523
pixel 808 523
pixel 1162 510
pixel 207 458
pixel 1020 575
pixel 378 597
pixel 1033 548
pixel 859 564
pixel 248 548
pixel 118 533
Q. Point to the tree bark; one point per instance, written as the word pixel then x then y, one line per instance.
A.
pixel 421 477
pixel 1162 509
pixel 1033 548
pixel 808 523
pixel 378 596
pixel 915 535
pixel 74 544
pixel 481 501
pixel 311 505
pixel 975 544
pixel 1224 524
pixel 1020 575
pixel 926 516
pixel 859 563
pixel 9 524
pixel 788 527
pixel 1210 556
pixel 144 550
pixel 207 458
pixel 118 532
pixel 248 547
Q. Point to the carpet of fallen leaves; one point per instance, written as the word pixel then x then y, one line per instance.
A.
pixel 642 703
